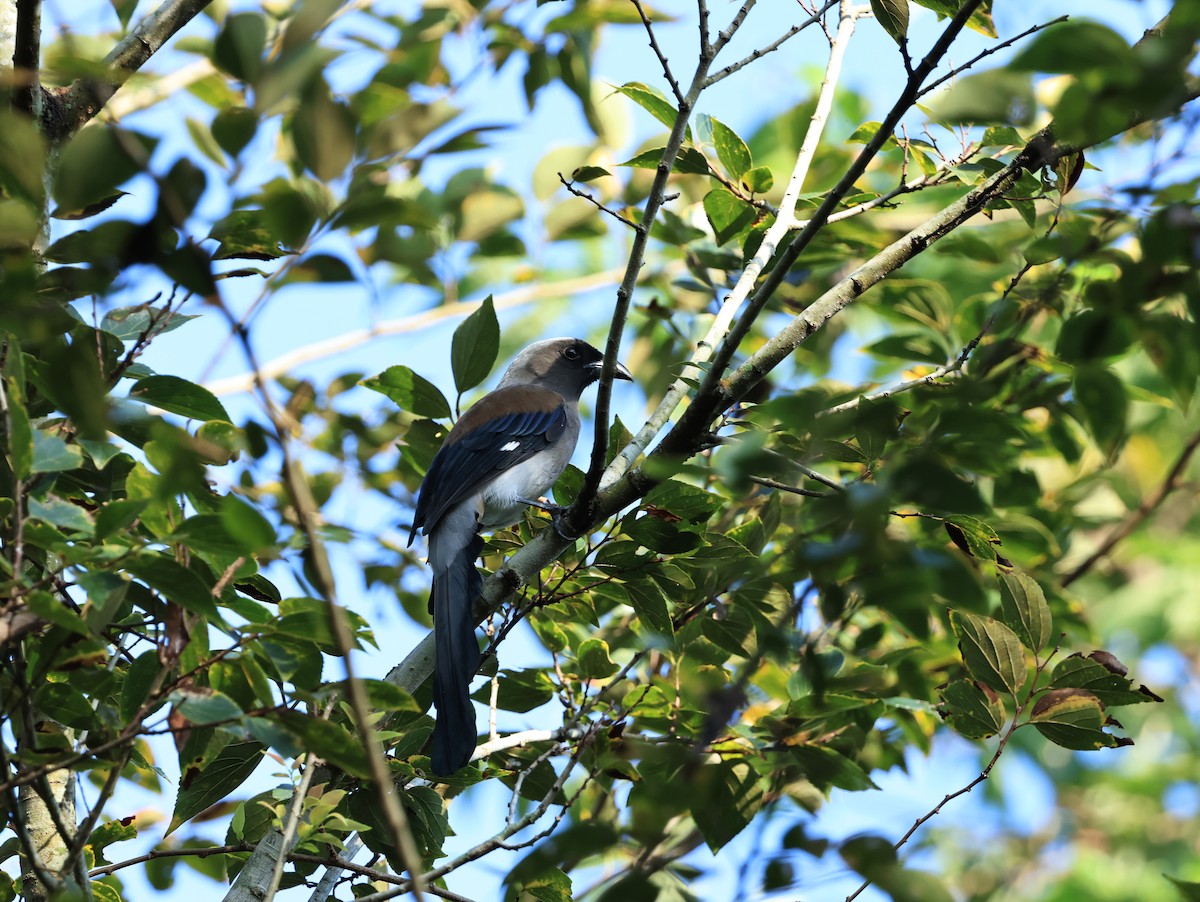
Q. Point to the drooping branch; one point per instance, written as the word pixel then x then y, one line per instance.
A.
pixel 1139 514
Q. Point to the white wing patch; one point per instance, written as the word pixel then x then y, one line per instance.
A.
pixel 510 446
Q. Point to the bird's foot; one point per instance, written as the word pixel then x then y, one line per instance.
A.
pixel 557 513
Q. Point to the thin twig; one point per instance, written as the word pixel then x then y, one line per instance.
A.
pixel 995 48
pixel 578 192
pixel 773 46
pixel 710 387
pixel 785 487
pixel 292 822
pixel 348 341
pixel 306 510
pixel 774 236
pixel 170 853
pixel 666 67
pixel 1139 514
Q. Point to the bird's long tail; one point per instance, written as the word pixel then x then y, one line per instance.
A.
pixel 454 592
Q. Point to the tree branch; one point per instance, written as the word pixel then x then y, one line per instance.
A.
pixel 348 341
pixel 80 102
pixel 27 60
pixel 773 46
pixel 784 221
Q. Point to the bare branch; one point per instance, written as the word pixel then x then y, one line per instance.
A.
pixel 800 241
pixel 774 236
pixel 724 37
pixel 287 363
pixel 666 66
pixel 773 46
pixel 570 186
pixel 957 70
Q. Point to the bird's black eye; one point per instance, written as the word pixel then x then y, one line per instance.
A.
pixel 571 353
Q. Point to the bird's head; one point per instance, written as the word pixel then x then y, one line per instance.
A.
pixel 566 365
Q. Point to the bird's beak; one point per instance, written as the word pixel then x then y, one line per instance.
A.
pixel 621 372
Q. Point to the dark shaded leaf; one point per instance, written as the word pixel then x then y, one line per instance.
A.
pixel 474 347
pixel 893 16
pixel 972 709
pixel 223 775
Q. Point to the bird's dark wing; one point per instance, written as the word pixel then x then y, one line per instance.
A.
pixel 505 428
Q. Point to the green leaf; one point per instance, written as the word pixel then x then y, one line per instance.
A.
pixel 246 235
pixel 93 164
pixel 650 100
pixel 52 455
pixel 411 392
pixel 246 525
pixel 1189 892
pixel 1024 609
pixel 139 680
pixel 893 16
pixel 727 214
pixel 758 180
pixel 176 582
pixel 519 690
pixel 550 886
pixel 997 97
pixel 1001 136
pixel 21 435
pixel 1073 719
pixel 689 161
pixel 980 21
pixel 222 776
pixel 731 149
pixel 323 133
pixel 1102 676
pixel 972 709
pixel 594 660
pixel 1100 398
pixel 320 268
pixel 52 609
pixel 117 831
pixel 240 44
pixel 133 323
pixel 175 395
pixel 205 706
pixel 724 798
pixel 992 652
pixel 64 704
pixel 233 128
pixel 973 536
pixel 1073 48
pixel 589 173
pixel 651 605
pixel 62 514
pixel 330 741
pixel 474 347
pixel 866 132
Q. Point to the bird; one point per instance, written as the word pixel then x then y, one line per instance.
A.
pixel 505 452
